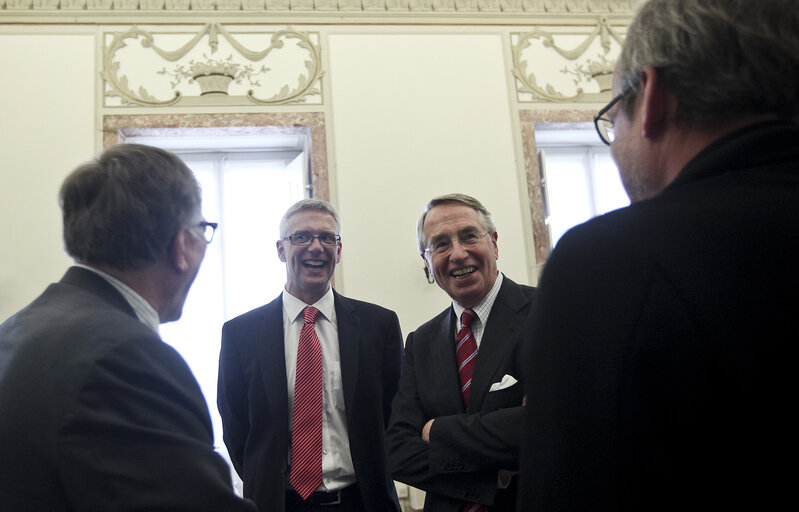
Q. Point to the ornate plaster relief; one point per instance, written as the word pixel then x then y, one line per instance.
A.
pixel 561 64
pixel 167 67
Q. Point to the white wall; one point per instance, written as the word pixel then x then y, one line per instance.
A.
pixel 46 129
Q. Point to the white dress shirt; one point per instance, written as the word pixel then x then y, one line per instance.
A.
pixel 338 470
pixel 482 310
pixel 144 311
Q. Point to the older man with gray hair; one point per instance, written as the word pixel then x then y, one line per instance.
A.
pixel 456 419
pixel 96 412
pixel 306 382
pixel 665 336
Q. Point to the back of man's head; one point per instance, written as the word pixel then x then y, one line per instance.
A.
pixel 721 59
pixel 124 208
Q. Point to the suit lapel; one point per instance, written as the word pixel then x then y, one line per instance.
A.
pixel 271 353
pixel 499 333
pixel 349 340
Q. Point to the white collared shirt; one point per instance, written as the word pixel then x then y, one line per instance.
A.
pixel 482 310
pixel 338 470
pixel 144 311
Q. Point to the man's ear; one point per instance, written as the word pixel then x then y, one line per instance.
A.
pixel 654 103
pixel 427 263
pixel 178 251
pixel 281 252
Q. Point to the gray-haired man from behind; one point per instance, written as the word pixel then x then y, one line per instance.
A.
pixel 97 412
pixel 662 371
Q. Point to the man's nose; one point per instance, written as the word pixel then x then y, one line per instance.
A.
pixel 316 243
pixel 458 250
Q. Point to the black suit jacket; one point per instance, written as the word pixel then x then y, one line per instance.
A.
pixel 467 447
pixel 253 398
pixel 662 368
pixel 97 413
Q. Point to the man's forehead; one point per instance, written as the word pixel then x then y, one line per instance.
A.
pixel 456 218
pixel 311 216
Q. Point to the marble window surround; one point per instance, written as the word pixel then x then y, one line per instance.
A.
pixel 527 122
pixel 115 127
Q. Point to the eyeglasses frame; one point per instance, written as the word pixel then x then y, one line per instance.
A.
pixel 430 252
pixel 599 116
pixel 313 237
pixel 205 225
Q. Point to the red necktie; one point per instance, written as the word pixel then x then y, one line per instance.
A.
pixel 306 438
pixel 466 353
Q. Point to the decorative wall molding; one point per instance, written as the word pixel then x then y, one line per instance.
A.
pixel 587 62
pixel 77 9
pixel 211 66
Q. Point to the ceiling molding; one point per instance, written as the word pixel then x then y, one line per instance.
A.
pixel 435 12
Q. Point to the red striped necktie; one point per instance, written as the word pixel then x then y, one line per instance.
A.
pixel 306 438
pixel 466 352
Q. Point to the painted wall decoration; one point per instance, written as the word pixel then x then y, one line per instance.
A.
pixel 211 66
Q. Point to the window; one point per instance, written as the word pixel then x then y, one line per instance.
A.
pixel 579 177
pixel 247 190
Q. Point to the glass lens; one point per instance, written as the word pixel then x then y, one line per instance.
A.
pixel 328 239
pixel 301 238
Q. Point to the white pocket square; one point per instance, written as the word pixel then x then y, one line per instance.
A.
pixel 506 382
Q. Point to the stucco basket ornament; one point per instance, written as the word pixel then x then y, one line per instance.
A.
pixel 215 76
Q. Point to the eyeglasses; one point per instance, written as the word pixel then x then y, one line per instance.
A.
pixel 306 238
pixel 209 228
pixel 604 125
pixel 444 245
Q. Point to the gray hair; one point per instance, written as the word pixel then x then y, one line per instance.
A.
pixel 721 59
pixel 308 204
pixel 124 208
pixel 483 213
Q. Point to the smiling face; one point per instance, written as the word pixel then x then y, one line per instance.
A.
pixel 309 269
pixel 466 273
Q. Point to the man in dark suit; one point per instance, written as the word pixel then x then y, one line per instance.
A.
pixel 97 412
pixel 311 436
pixel 665 345
pixel 456 419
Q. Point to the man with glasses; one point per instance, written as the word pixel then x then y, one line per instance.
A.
pixel 456 420
pixel 662 371
pixel 96 412
pixel 306 382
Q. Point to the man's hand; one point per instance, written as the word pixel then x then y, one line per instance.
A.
pixel 426 431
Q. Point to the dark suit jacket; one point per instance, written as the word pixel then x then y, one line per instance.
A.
pixel 662 370
pixel 97 413
pixel 253 398
pixel 467 447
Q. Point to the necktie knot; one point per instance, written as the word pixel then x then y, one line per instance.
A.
pixel 466 318
pixel 310 313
